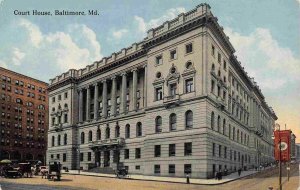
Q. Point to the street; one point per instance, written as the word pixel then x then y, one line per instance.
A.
pixel 260 181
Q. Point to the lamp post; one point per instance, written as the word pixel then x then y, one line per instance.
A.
pixel 279 146
pixel 78 150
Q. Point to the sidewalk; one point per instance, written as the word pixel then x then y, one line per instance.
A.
pixel 225 179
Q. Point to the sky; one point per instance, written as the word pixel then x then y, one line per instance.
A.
pixel 265 35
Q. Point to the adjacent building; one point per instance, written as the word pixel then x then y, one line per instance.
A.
pixel 24 117
pixel 174 103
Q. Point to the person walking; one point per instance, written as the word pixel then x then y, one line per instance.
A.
pixel 239 171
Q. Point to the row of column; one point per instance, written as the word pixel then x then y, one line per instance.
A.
pixel 123 97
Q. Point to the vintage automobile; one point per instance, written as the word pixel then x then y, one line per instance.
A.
pixel 54 170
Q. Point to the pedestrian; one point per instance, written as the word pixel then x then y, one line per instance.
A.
pixel 239 171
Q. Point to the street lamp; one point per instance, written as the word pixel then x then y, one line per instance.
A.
pixel 279 146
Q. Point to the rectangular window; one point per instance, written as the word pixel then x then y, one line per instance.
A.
pixel 220 148
pixel 173 88
pixel 213 149
pixel 159 60
pixel 81 157
pixel 224 65
pixel 158 93
pixel 59 97
pixel 66 95
pixel 213 50
pixel 157 151
pixel 157 169
pixel 173 54
pixel 188 149
pixel 138 167
pixel 212 90
pixel 225 152
pixel 138 153
pixel 189 48
pixel 53 99
pixel 219 57
pixel 89 156
pixel 64 157
pixel 172 149
pixel 126 154
pixel 189 85
pixel 66 118
pixel 187 168
pixel 57 156
pixel 171 168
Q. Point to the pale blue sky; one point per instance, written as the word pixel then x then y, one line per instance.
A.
pixel 264 33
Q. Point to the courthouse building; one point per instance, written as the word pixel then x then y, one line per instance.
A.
pixel 24 117
pixel 176 102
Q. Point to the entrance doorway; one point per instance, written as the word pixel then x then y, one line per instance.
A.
pixel 98 158
pixel 106 158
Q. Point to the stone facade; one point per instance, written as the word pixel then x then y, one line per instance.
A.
pixel 24 117
pixel 177 102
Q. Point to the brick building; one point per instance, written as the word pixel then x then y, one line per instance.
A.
pixel 24 117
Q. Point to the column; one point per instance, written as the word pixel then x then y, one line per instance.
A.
pixel 104 98
pixel 101 159
pixel 96 103
pixel 123 94
pixel 80 106
pixel 145 87
pixel 111 159
pixel 113 96
pixel 134 88
pixel 88 96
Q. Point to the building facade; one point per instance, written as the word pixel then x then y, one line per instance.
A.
pixel 177 102
pixel 24 117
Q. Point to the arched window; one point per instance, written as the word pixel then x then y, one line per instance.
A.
pixel 65 139
pixel 139 131
pixel 224 126
pixel 98 134
pixel 127 131
pixel 188 119
pixel 82 137
pixel 66 105
pixel 219 123
pixel 117 131
pixel 90 136
pixel 213 67
pixel 58 140
pixel 172 121
pixel 53 140
pixel 158 124
pixel 107 132
pixel 212 120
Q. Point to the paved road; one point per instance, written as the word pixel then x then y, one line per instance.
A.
pixel 260 181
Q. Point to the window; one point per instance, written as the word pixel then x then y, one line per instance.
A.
pixel 157 169
pixel 214 149
pixel 66 95
pixel 82 137
pixel 65 139
pixel 173 54
pixel 158 93
pixel 212 90
pixel 53 99
pixel 157 151
pixel 90 136
pixel 53 140
pixel 229 132
pixel 89 156
pixel 219 90
pixel 57 156
pixel 127 131
pixel 187 168
pixel 64 157
pixel 220 150
pixel 172 149
pixel 59 97
pixel 188 149
pixel 126 154
pixel 219 123
pixel 172 120
pixel 117 131
pixel 172 88
pixel 188 119
pixel 189 85
pixel 224 65
pixel 58 140
pixel 81 157
pixel 225 152
pixel 137 153
pixel 171 168
pixel 65 118
pixel 212 120
pixel 139 131
pixel 213 50
pixel 224 126
pixel 219 57
pixel 107 132
pixel 138 167
pixel 98 134
pixel 158 124
pixel 159 60
pixel 189 48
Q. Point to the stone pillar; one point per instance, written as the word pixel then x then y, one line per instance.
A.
pixel 80 106
pixel 111 159
pixel 101 159
pixel 123 94
pixel 113 96
pixel 134 89
pixel 145 87
pixel 104 98
pixel 88 96
pixel 96 103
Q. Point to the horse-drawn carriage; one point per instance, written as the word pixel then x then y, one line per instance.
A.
pixel 54 170
pixel 25 168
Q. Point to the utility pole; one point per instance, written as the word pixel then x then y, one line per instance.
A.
pixel 280 174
